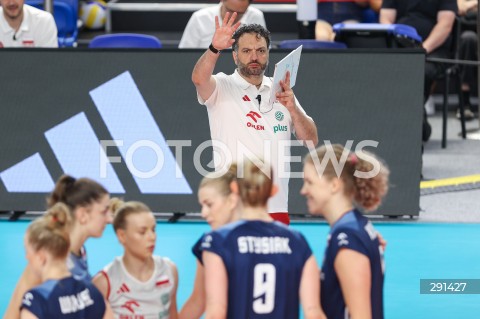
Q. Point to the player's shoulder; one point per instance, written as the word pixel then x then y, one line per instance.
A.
pixel 352 221
pixel 206 13
pixel 37 14
pixel 255 11
pixel 45 289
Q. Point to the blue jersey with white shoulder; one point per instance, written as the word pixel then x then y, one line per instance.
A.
pixel 78 266
pixel 352 231
pixel 264 263
pixel 197 249
pixel 66 298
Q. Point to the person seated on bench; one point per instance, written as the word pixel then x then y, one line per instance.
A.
pixel 200 28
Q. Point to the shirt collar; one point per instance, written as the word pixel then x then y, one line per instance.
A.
pixel 244 84
pixel 26 19
pixel 6 28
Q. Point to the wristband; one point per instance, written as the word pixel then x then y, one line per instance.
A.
pixel 211 48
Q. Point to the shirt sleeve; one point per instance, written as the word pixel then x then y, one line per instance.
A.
pixel 191 34
pixel 346 238
pixel 219 84
pixel 197 250
pixel 307 252
pixel 448 5
pixel 49 38
pixel 214 243
pixel 389 4
pixel 35 303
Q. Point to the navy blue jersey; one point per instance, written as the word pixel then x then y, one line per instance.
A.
pixel 78 265
pixel 197 249
pixel 264 263
pixel 352 231
pixel 67 298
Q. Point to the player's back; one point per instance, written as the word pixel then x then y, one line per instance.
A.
pixel 264 263
pixel 67 298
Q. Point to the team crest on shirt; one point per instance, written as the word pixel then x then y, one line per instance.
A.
pixel 27 299
pixel 279 116
pixel 342 239
pixel 207 241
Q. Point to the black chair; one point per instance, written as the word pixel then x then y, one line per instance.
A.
pixel 453 72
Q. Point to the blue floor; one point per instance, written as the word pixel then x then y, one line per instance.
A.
pixel 415 251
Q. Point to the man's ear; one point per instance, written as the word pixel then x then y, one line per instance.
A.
pixel 274 190
pixel 235 57
pixel 234 187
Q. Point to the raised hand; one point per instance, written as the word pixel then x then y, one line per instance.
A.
pixel 222 39
pixel 286 97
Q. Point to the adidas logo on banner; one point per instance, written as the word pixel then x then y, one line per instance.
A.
pixel 80 153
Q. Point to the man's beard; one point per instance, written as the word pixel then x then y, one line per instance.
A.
pixel 248 72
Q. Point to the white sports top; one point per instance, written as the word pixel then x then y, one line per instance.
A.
pixel 133 299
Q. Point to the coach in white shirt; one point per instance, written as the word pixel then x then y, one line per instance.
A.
pixel 22 25
pixel 201 26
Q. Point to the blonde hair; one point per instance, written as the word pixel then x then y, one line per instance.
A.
pixel 51 231
pixel 367 192
pixel 222 182
pixel 121 210
pixel 254 186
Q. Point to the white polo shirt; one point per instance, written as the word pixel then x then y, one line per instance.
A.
pixel 247 129
pixel 200 28
pixel 38 29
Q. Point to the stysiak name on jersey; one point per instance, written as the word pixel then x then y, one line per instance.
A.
pixel 263 245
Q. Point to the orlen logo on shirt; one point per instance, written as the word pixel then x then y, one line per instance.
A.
pixel 254 116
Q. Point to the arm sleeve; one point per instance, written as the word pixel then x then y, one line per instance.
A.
pixel 214 243
pixel 35 303
pixel 219 87
pixel 49 38
pixel 346 238
pixel 307 251
pixel 389 4
pixel 197 250
pixel 448 5
pixel 190 34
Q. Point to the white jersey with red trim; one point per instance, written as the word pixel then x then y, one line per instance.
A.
pixel 133 299
pixel 244 124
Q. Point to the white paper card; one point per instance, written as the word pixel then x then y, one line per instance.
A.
pixel 307 10
pixel 288 63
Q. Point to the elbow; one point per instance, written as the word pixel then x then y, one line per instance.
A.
pixel 196 79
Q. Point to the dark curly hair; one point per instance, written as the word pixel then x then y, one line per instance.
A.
pixel 259 30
